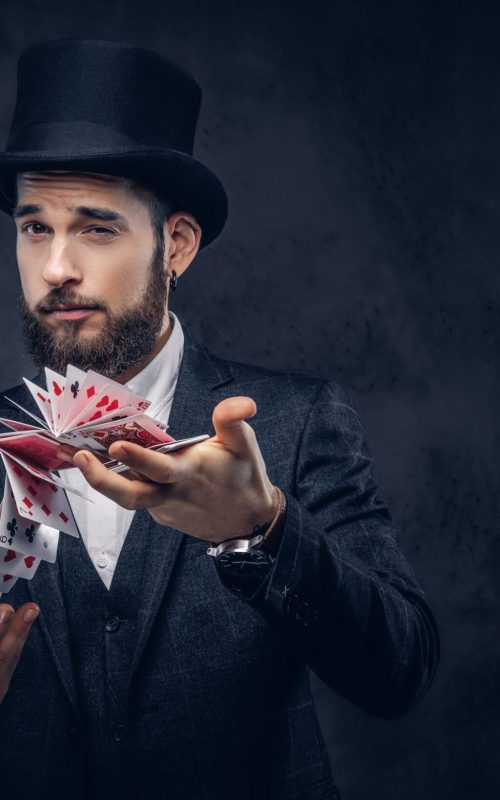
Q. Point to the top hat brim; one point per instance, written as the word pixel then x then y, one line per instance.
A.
pixel 173 175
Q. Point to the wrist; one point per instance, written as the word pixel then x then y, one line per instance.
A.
pixel 271 530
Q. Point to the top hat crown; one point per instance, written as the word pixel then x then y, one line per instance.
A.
pixel 115 108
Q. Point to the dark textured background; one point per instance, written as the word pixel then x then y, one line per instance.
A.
pixel 359 144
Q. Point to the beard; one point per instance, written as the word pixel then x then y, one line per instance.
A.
pixel 124 341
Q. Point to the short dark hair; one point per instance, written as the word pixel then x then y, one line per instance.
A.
pixel 160 209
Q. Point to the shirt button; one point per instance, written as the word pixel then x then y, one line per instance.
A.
pixel 112 624
pixel 120 732
pixel 102 560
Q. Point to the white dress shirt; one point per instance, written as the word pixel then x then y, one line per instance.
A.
pixel 103 524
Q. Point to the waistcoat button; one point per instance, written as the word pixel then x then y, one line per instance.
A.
pixel 112 624
pixel 120 732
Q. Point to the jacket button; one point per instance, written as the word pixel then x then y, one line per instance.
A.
pixel 112 624
pixel 120 732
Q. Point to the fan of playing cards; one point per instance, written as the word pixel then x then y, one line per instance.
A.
pixel 86 410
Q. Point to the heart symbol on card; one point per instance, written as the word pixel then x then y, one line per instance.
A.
pixel 10 555
pixel 103 401
pixel 57 389
pixel 29 560
pixel 112 405
pixel 7 578
pixel 96 416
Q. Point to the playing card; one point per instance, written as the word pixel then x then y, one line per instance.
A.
pixel 41 473
pixel 139 429
pixel 35 447
pixel 40 500
pixel 22 535
pixel 110 400
pixel 28 413
pixel 17 564
pixel 6 583
pixel 14 425
pixel 55 388
pixel 72 401
pixel 42 399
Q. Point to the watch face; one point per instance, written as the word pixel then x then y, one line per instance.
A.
pixel 243 572
pixel 249 561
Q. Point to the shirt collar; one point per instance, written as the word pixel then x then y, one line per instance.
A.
pixel 157 381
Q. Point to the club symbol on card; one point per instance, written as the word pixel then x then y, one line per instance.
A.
pixel 75 388
pixel 30 533
pixel 12 528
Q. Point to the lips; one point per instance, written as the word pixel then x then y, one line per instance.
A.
pixel 71 312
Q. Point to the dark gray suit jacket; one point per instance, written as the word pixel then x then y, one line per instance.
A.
pixel 169 686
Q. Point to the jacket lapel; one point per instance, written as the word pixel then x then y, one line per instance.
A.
pixel 201 376
pixel 45 590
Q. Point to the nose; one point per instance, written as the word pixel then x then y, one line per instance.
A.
pixel 60 266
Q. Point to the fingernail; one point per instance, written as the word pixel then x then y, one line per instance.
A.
pixel 31 614
pixel 81 460
pixel 5 615
pixel 119 451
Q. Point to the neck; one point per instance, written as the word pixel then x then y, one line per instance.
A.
pixel 162 339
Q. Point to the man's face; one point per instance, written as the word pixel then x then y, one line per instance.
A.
pixel 93 281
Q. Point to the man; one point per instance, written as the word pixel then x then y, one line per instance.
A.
pixel 155 669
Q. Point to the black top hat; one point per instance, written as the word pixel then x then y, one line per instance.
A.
pixel 114 108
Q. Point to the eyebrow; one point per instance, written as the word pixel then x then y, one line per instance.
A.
pixel 102 214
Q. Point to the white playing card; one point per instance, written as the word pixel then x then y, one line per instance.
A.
pixel 39 500
pixel 28 413
pixel 72 401
pixel 22 535
pixel 17 564
pixel 110 400
pixel 39 472
pixel 55 388
pixel 43 401
pixel 6 583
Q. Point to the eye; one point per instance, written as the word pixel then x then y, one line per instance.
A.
pixel 101 231
pixel 35 228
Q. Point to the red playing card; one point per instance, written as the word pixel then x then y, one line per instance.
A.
pixel 35 448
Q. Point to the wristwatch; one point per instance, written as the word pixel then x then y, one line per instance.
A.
pixel 243 562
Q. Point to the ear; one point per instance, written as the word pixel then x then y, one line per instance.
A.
pixel 182 240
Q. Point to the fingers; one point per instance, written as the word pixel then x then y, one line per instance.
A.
pixel 14 630
pixel 131 494
pixel 230 427
pixel 159 467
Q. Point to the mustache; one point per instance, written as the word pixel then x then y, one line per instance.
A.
pixel 68 297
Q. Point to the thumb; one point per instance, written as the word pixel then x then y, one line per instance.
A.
pixel 229 423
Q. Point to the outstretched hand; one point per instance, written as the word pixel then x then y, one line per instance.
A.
pixel 212 490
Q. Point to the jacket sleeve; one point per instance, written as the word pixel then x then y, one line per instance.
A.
pixel 340 586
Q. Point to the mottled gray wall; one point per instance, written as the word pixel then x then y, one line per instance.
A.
pixel 359 143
